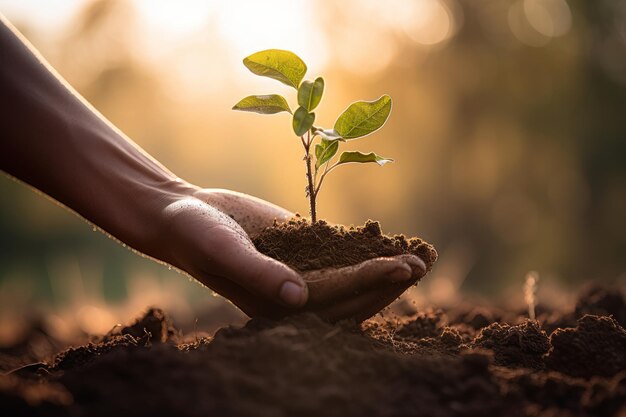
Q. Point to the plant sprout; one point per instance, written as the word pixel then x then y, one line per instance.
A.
pixel 359 119
pixel 530 292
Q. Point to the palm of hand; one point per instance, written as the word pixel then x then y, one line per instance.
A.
pixel 208 234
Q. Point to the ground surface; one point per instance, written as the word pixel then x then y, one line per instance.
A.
pixel 463 361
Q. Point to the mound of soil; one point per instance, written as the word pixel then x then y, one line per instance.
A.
pixel 423 364
pixel 597 346
pixel 305 246
pixel 515 346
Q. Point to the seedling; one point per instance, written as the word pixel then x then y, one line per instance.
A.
pixel 530 292
pixel 359 119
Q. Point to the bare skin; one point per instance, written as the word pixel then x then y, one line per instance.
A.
pixel 52 139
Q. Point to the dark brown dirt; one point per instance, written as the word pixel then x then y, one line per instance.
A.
pixel 155 325
pixel 597 346
pixel 422 364
pixel 306 247
pixel 515 346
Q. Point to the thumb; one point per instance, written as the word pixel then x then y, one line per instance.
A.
pixel 238 260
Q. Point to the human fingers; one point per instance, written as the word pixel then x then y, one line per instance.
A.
pixel 250 303
pixel 331 284
pixel 233 256
pixel 364 305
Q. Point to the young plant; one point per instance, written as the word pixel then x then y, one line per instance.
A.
pixel 359 119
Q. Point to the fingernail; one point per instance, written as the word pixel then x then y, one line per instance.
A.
pixel 401 273
pixel 417 262
pixel 292 294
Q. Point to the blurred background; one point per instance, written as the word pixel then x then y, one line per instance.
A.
pixel 508 131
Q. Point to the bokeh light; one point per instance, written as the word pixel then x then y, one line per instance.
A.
pixel 507 133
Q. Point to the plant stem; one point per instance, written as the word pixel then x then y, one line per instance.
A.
pixel 309 175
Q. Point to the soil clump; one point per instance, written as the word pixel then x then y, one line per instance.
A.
pixel 305 246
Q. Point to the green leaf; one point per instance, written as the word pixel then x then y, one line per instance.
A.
pixel 347 157
pixel 268 104
pixel 328 134
pixel 324 151
pixel 284 66
pixel 363 117
pixel 302 121
pixel 310 93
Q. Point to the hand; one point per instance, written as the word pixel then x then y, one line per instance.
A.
pixel 361 290
pixel 208 236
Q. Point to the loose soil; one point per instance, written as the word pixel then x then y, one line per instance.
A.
pixel 457 361
pixel 305 246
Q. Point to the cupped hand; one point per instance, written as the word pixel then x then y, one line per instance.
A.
pixel 361 290
pixel 208 237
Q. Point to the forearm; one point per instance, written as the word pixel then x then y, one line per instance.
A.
pixel 53 140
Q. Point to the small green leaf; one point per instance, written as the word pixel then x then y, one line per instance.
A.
pixel 268 104
pixel 302 121
pixel 363 117
pixel 284 66
pixel 347 157
pixel 324 151
pixel 310 93
pixel 328 134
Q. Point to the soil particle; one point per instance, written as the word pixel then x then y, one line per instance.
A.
pixel 522 345
pixel 597 346
pixel 305 246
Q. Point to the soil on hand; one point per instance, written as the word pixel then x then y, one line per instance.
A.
pixel 433 363
pixel 305 246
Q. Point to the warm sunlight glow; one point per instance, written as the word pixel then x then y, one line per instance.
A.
pixel 176 17
pixel 49 16
pixel 536 22
pixel 250 26
pixel 245 26
pixel 522 29
pixel 430 22
pixel 548 17
pixel 196 42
